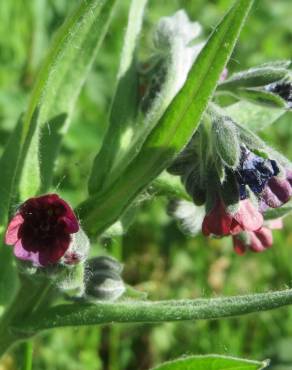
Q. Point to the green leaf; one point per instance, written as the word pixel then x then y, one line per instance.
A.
pixel 8 163
pixel 57 88
pixel 175 127
pixel 123 121
pixel 212 362
pixel 274 213
pixel 265 98
pixel 52 101
pixel 252 116
pixel 253 77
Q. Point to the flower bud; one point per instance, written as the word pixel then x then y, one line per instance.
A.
pixel 104 263
pixel 277 192
pixel 194 187
pixel 225 141
pixel 102 279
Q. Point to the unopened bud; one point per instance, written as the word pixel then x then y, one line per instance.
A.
pixel 225 140
pixel 194 187
pixel 103 280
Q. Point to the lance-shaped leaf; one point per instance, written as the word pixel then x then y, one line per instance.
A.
pixel 175 127
pixel 123 115
pixel 214 362
pixel 57 88
pixel 173 55
pixel 262 97
pixel 258 76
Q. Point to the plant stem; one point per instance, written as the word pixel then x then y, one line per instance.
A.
pixel 147 311
pixel 27 352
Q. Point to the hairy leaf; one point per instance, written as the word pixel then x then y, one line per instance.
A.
pixel 175 127
pixel 252 116
pixel 38 134
pixel 212 362
pixel 123 115
pixel 57 88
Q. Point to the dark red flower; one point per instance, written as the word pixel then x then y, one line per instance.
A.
pixel 219 222
pixel 41 230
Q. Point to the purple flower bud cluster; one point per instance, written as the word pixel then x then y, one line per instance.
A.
pixel 235 197
pixel 254 172
pixel 262 176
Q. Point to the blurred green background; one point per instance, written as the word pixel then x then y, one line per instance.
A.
pixel 158 258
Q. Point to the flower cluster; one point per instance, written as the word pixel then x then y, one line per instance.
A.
pixel 225 167
pixel 238 178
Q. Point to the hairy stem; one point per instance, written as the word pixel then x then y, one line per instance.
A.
pixel 147 311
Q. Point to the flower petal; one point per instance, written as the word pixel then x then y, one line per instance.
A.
pixel 248 217
pixel 53 253
pixel 25 255
pixel 265 236
pixel 11 236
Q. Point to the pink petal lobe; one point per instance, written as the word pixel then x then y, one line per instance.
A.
pixel 248 217
pixel 265 236
pixel 25 255
pixel 11 236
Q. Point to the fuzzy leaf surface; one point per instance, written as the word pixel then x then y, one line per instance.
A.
pixel 123 114
pixel 39 132
pixel 58 85
pixel 252 116
pixel 174 128
pixel 212 362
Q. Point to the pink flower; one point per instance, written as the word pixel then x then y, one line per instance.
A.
pixel 219 222
pixel 41 230
pixel 256 241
